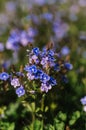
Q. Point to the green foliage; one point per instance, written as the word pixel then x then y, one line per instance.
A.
pixel 74 118
pixel 7 126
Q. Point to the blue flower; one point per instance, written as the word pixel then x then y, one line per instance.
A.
pixel 13 41
pixel 20 74
pixel 65 50
pixel 47 16
pixel 38 74
pixel 44 77
pixel 40 2
pixel 52 81
pixel 51 59
pixel 51 53
pixel 44 52
pixel 30 76
pixel 20 91
pixel 27 68
pixel 36 51
pixel 34 59
pixel 4 76
pixel 57 67
pixel 45 87
pixel 32 32
pixel 68 66
pixel 31 69
pixel 64 79
pixel 12 44
pixel 15 82
pixel 83 100
pixel 1 47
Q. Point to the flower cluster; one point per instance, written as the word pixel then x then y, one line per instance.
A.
pixel 14 82
pixel 45 67
pixel 19 38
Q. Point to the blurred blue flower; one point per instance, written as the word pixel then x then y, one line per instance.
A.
pixel 83 100
pixel 20 74
pixel 48 16
pixel 1 47
pixel 24 38
pixel 57 67
pixel 20 91
pixel 4 76
pixel 60 29
pixel 40 2
pixel 65 50
pixel 32 32
pixel 68 66
pixel 12 44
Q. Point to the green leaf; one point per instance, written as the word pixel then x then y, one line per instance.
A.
pixel 49 127
pixel 7 126
pixel 30 106
pixel 37 125
pixel 62 116
pixel 74 118
pixel 59 125
pixel 11 126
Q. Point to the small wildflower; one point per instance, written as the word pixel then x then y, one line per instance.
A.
pixel 20 91
pixel 57 67
pixel 4 76
pixel 65 51
pixel 30 76
pixel 36 51
pixel 45 87
pixel 38 74
pixel 44 61
pixel 34 59
pixel 44 77
pixel 68 66
pixel 51 53
pixel 15 82
pixel 31 69
pixel 52 81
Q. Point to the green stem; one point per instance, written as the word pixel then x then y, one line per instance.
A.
pixel 42 109
pixel 33 113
